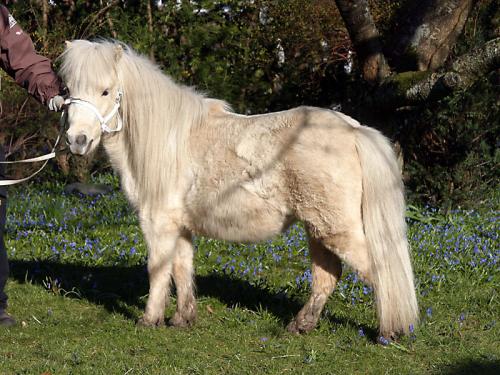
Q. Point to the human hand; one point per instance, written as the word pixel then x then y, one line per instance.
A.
pixel 56 103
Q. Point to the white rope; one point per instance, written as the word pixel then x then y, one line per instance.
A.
pixel 32 160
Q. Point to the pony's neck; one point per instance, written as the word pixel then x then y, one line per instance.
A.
pixel 114 145
pixel 116 149
pixel 158 118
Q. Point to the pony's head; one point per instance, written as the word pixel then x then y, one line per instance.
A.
pixel 90 73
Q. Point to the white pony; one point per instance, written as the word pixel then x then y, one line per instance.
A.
pixel 189 165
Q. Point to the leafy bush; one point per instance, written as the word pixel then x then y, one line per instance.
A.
pixel 457 159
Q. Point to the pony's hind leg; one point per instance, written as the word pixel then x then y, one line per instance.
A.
pixel 161 237
pixel 185 314
pixel 326 271
pixel 351 247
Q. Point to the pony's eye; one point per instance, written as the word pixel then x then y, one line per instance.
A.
pixel 105 93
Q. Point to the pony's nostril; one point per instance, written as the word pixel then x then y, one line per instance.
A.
pixel 81 140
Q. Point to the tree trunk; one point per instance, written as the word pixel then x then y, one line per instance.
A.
pixel 71 9
pixel 45 24
pixel 366 39
pixel 428 31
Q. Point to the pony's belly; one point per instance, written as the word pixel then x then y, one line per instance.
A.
pixel 240 217
pixel 220 229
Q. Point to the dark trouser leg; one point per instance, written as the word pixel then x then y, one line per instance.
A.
pixel 4 265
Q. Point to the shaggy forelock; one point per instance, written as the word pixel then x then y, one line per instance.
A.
pixel 86 65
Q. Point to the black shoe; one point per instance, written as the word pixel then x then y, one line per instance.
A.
pixel 6 320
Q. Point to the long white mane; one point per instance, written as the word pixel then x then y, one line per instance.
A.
pixel 158 114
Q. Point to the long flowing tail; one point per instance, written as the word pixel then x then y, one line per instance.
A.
pixel 383 208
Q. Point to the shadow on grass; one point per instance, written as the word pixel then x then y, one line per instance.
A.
pixel 471 367
pixel 120 288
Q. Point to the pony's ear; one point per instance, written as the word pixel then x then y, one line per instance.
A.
pixel 118 52
pixel 68 44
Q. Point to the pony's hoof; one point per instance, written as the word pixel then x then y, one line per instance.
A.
pixel 181 322
pixel 143 322
pixel 301 327
pixel 292 327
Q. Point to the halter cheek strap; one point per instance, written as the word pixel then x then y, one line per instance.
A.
pixel 102 119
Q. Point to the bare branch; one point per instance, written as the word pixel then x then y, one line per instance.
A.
pixel 45 24
pixel 150 28
pixel 110 24
pixel 97 16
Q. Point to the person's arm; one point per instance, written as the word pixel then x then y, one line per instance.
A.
pixel 20 60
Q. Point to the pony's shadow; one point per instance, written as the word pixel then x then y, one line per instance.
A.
pixel 122 289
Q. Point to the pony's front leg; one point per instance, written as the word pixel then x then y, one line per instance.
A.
pixel 161 235
pixel 185 314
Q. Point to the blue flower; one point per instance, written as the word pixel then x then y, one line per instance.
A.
pixel 382 340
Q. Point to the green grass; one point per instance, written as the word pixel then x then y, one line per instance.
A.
pixel 78 283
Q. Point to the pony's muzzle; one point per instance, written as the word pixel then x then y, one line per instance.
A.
pixel 81 140
pixel 78 144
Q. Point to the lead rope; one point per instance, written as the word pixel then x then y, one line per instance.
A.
pixel 62 123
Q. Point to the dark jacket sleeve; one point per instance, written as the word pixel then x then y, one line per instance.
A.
pixel 20 60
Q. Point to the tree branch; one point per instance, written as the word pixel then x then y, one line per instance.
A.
pixel 110 24
pixel 149 12
pixel 45 24
pixel 411 88
pixel 98 16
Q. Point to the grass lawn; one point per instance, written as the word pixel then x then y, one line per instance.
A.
pixel 78 284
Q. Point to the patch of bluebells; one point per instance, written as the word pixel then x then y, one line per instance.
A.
pixel 48 224
pixel 352 289
pixel 271 260
pixel 466 242
pixel 304 279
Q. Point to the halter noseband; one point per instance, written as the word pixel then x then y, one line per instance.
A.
pixel 102 119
